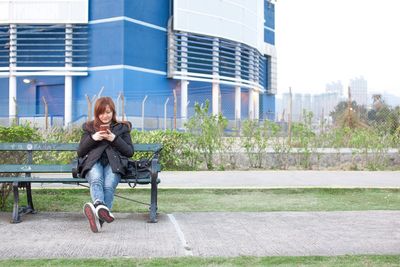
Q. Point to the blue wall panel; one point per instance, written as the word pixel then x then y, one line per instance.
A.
pixel 228 101
pixel 100 9
pixel 111 80
pixel 269 15
pixel 145 47
pixel 151 11
pixel 267 107
pixel 199 92
pixel 29 102
pixel 157 88
pixel 3 97
pixel 54 95
pixel 106 44
pixel 269 36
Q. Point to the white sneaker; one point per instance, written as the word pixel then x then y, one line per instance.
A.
pixel 90 213
pixel 103 213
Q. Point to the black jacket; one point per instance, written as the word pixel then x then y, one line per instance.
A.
pixel 118 151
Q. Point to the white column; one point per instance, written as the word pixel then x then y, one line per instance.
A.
pixel 215 84
pixel 238 102
pixel 256 95
pixel 256 79
pixel 251 103
pixel 12 80
pixel 238 93
pixel 251 90
pixel 215 98
pixel 68 79
pixel 184 100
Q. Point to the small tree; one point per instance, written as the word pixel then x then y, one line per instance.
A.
pixel 207 131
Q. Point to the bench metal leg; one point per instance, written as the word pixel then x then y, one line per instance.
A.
pixel 29 208
pixel 15 216
pixel 153 204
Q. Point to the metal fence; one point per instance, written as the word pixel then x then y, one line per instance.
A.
pixel 150 112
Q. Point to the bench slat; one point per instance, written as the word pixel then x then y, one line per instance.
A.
pixel 38 147
pixel 65 180
pixel 67 147
pixel 147 147
pixel 33 168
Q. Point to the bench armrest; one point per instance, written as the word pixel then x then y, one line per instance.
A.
pixel 155 168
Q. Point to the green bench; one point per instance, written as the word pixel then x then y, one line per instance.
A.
pixel 20 175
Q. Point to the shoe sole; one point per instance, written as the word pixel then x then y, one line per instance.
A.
pixel 91 218
pixel 105 215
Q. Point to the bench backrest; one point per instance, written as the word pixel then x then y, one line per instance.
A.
pixel 29 167
pixel 155 148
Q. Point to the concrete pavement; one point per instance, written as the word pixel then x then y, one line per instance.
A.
pixel 279 179
pixel 205 234
pixel 268 179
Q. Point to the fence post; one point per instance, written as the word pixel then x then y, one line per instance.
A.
pixel 349 109
pixel 290 118
pixel 16 118
pixel 183 122
pixel 123 106
pixel 121 99
pixel 118 108
pixel 144 100
pixel 165 114
pixel 89 102
pixel 99 94
pixel 175 104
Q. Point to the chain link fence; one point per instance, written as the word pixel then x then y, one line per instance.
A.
pixel 322 112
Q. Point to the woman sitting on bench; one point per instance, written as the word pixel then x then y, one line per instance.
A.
pixel 103 153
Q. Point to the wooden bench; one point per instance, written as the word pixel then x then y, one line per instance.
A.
pixel 20 175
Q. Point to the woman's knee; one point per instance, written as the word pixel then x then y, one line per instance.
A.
pixel 111 181
pixel 95 174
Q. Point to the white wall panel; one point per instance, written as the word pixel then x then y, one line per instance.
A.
pixel 43 11
pixel 238 20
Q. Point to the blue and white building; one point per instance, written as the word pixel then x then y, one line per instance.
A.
pixel 160 56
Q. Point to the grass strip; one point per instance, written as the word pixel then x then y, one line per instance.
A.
pixel 358 260
pixel 251 200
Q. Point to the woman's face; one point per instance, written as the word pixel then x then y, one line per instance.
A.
pixel 106 116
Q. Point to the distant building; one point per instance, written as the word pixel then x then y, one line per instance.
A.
pixel 334 87
pixel 149 50
pixel 324 104
pixel 359 91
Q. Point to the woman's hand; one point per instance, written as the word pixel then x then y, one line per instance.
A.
pixel 109 136
pixel 98 136
pixel 103 135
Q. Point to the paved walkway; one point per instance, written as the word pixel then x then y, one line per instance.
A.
pixel 269 179
pixel 58 235
pixel 272 179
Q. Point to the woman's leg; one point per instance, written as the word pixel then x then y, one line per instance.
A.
pixel 95 179
pixel 111 181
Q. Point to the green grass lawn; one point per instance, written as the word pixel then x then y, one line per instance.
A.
pixel 381 261
pixel 182 200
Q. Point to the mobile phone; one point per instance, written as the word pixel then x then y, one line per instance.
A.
pixel 104 127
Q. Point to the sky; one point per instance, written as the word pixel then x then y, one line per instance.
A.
pixel 321 41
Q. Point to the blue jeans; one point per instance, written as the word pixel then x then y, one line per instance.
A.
pixel 102 183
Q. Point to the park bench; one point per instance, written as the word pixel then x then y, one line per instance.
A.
pixel 23 175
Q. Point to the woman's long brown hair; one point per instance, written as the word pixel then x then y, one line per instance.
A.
pixel 100 107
